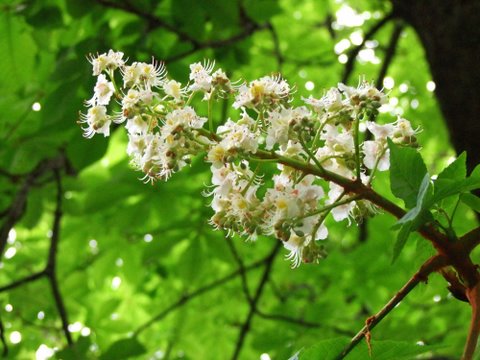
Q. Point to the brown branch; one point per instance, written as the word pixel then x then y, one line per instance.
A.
pixel 241 268
pixel 301 322
pixel 23 281
pixel 50 270
pixel 256 297
pixel 470 240
pixel 2 339
pixel 154 21
pixel 433 264
pixel 473 295
pixel 18 206
pixel 192 295
pixel 14 178
pixel 248 30
pixel 389 53
pixel 352 54
pixel 277 51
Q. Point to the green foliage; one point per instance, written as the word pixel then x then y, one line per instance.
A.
pixel 129 252
pixel 381 350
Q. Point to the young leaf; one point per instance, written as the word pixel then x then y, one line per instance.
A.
pixel 471 200
pixel 457 170
pixel 416 217
pixel 381 350
pixel 124 349
pixel 402 238
pixel 407 171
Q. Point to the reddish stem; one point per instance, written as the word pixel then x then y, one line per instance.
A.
pixel 473 296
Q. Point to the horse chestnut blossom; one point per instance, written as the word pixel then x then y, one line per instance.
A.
pixel 311 149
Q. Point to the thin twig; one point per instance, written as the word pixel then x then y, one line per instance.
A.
pixel 23 281
pixel 389 53
pixel 352 55
pixel 2 339
pixel 50 270
pixel 431 265
pixel 302 322
pixel 18 205
pixel 241 267
pixel 256 297
pixel 192 295
pixel 277 51
pixel 248 30
pixel 154 21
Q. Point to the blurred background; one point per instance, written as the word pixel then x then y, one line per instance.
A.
pixel 94 258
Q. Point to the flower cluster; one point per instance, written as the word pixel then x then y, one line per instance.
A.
pixel 326 134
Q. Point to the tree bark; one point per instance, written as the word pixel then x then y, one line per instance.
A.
pixel 450 33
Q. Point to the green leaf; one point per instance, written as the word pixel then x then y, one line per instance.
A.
pixel 381 350
pixel 47 17
pixel 457 170
pixel 402 238
pixel 413 219
pixel 471 201
pixel 445 187
pixel 422 202
pixel 325 349
pixel 78 350
pixel 84 152
pixel 261 10
pixel 407 171
pixel 124 349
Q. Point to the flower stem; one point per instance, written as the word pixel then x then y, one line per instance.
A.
pixel 210 118
pixel 356 140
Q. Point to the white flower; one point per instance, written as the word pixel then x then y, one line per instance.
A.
pixel 266 90
pixel 217 155
pixel 295 245
pixel 97 120
pixel 374 150
pixel 136 125
pixel 237 136
pixel 331 101
pixel 103 92
pixel 201 76
pixel 112 60
pixel 143 74
pixel 185 117
pixel 341 212
pixel 380 132
pixel 278 129
pixel 174 89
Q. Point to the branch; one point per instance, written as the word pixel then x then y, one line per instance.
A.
pixel 253 305
pixel 190 296
pixel 241 268
pixel 471 240
pixel 17 208
pixel 248 30
pixel 352 54
pixel 23 281
pixel 431 265
pixel 474 331
pixel 276 47
pixel 389 54
pixel 453 251
pixel 2 339
pixel 149 17
pixel 50 270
